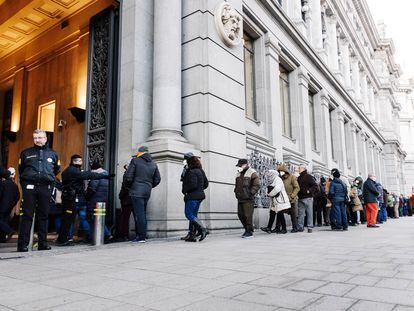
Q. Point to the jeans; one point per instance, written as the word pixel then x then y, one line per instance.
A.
pixel 382 213
pixel 83 219
pixel 140 208
pixel 305 206
pixel 191 209
pixel 339 218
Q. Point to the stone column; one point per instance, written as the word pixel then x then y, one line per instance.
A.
pixel 333 59
pixel 316 25
pixel 362 155
pixel 364 92
pixel 354 148
pixel 272 52
pixel 346 66
pixel 166 114
pixel 339 135
pixel 356 79
pixel 301 125
pixel 371 99
pixel 294 9
pixel 370 164
pixel 326 145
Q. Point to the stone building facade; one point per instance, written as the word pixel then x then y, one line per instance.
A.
pixel 299 81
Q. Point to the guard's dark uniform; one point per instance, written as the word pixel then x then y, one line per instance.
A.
pixel 38 167
pixel 73 187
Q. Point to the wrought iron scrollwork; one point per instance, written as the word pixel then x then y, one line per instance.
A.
pixel 261 164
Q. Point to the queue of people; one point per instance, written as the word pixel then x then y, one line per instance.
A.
pixel 334 202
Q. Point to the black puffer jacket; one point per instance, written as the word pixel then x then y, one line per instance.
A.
pixel 38 165
pixel 142 175
pixel 194 183
pixel 9 196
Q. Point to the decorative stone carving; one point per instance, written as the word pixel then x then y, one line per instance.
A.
pixel 229 24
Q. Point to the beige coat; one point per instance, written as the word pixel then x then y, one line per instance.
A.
pixel 280 199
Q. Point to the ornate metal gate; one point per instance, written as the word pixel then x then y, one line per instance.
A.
pixel 261 164
pixel 101 113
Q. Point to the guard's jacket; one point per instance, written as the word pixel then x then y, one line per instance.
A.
pixel 38 166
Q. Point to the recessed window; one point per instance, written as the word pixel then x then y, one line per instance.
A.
pixel 331 125
pixel 285 101
pixel 249 76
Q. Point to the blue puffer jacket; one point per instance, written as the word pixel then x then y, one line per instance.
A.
pixel 97 190
pixel 337 191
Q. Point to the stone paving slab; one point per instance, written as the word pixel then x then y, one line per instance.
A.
pixel 361 269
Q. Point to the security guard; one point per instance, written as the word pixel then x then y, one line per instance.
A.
pixel 38 167
pixel 72 190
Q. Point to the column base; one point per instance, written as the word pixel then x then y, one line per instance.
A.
pixel 165 212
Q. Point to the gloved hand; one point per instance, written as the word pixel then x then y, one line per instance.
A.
pixel 111 175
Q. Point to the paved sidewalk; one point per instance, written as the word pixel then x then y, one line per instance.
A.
pixel 362 269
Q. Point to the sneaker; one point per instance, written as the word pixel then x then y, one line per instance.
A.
pixel 309 230
pixel 283 232
pixel 300 230
pixel 247 235
pixel 265 229
pixel 293 231
pixel 275 230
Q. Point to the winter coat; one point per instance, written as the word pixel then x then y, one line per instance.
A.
pixel 124 194
pixel 307 185
pixel 390 201
pixel 97 190
pixel 73 182
pixel 355 201
pixel 291 184
pixel 9 196
pixel 247 185
pixel 141 176
pixel 38 165
pixel 194 184
pixel 338 191
pixel 381 193
pixel 280 199
pixel 370 192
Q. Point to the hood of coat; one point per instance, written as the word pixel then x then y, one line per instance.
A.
pixel 283 168
pixel 145 156
pixel 271 176
pixel 100 171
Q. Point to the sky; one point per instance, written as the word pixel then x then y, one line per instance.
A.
pixel 398 16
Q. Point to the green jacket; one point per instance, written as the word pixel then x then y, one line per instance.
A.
pixel 291 184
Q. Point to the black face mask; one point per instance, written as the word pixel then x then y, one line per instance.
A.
pixel 77 165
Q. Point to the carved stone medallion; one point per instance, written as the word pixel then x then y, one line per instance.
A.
pixel 229 24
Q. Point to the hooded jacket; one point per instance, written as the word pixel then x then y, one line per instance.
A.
pixel 337 191
pixel 291 184
pixel 280 199
pixel 307 185
pixel 142 175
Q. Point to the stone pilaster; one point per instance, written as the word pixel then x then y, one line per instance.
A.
pixel 346 66
pixel 356 79
pixel 354 149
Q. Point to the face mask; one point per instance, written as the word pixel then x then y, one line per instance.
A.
pixel 239 169
pixel 185 162
pixel 282 174
pixel 374 178
pixel 77 165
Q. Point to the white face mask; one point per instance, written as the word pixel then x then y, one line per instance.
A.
pixel 185 162
pixel 282 174
pixel 374 178
pixel 239 169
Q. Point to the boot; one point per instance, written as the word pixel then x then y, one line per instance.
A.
pixel 191 233
pixel 201 228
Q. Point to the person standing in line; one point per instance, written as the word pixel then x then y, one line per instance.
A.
pixel 370 193
pixel 411 205
pixel 9 197
pixel 338 194
pixel 390 205
pixel 38 167
pixel 191 228
pixel 97 191
pixel 280 202
pixel 126 209
pixel 307 186
pixel 396 205
pixel 141 177
pixel 356 204
pixel 194 184
pixel 246 187
pixel 73 191
pixel 292 189
pixel 380 218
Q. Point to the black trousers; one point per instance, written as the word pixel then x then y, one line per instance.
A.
pixel 272 216
pixel 245 212
pixel 36 198
pixel 280 221
pixel 68 217
pixel 4 225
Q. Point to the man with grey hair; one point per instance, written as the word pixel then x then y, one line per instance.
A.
pixel 370 194
pixel 307 186
pixel 38 167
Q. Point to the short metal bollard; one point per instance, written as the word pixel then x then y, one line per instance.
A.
pixel 99 223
